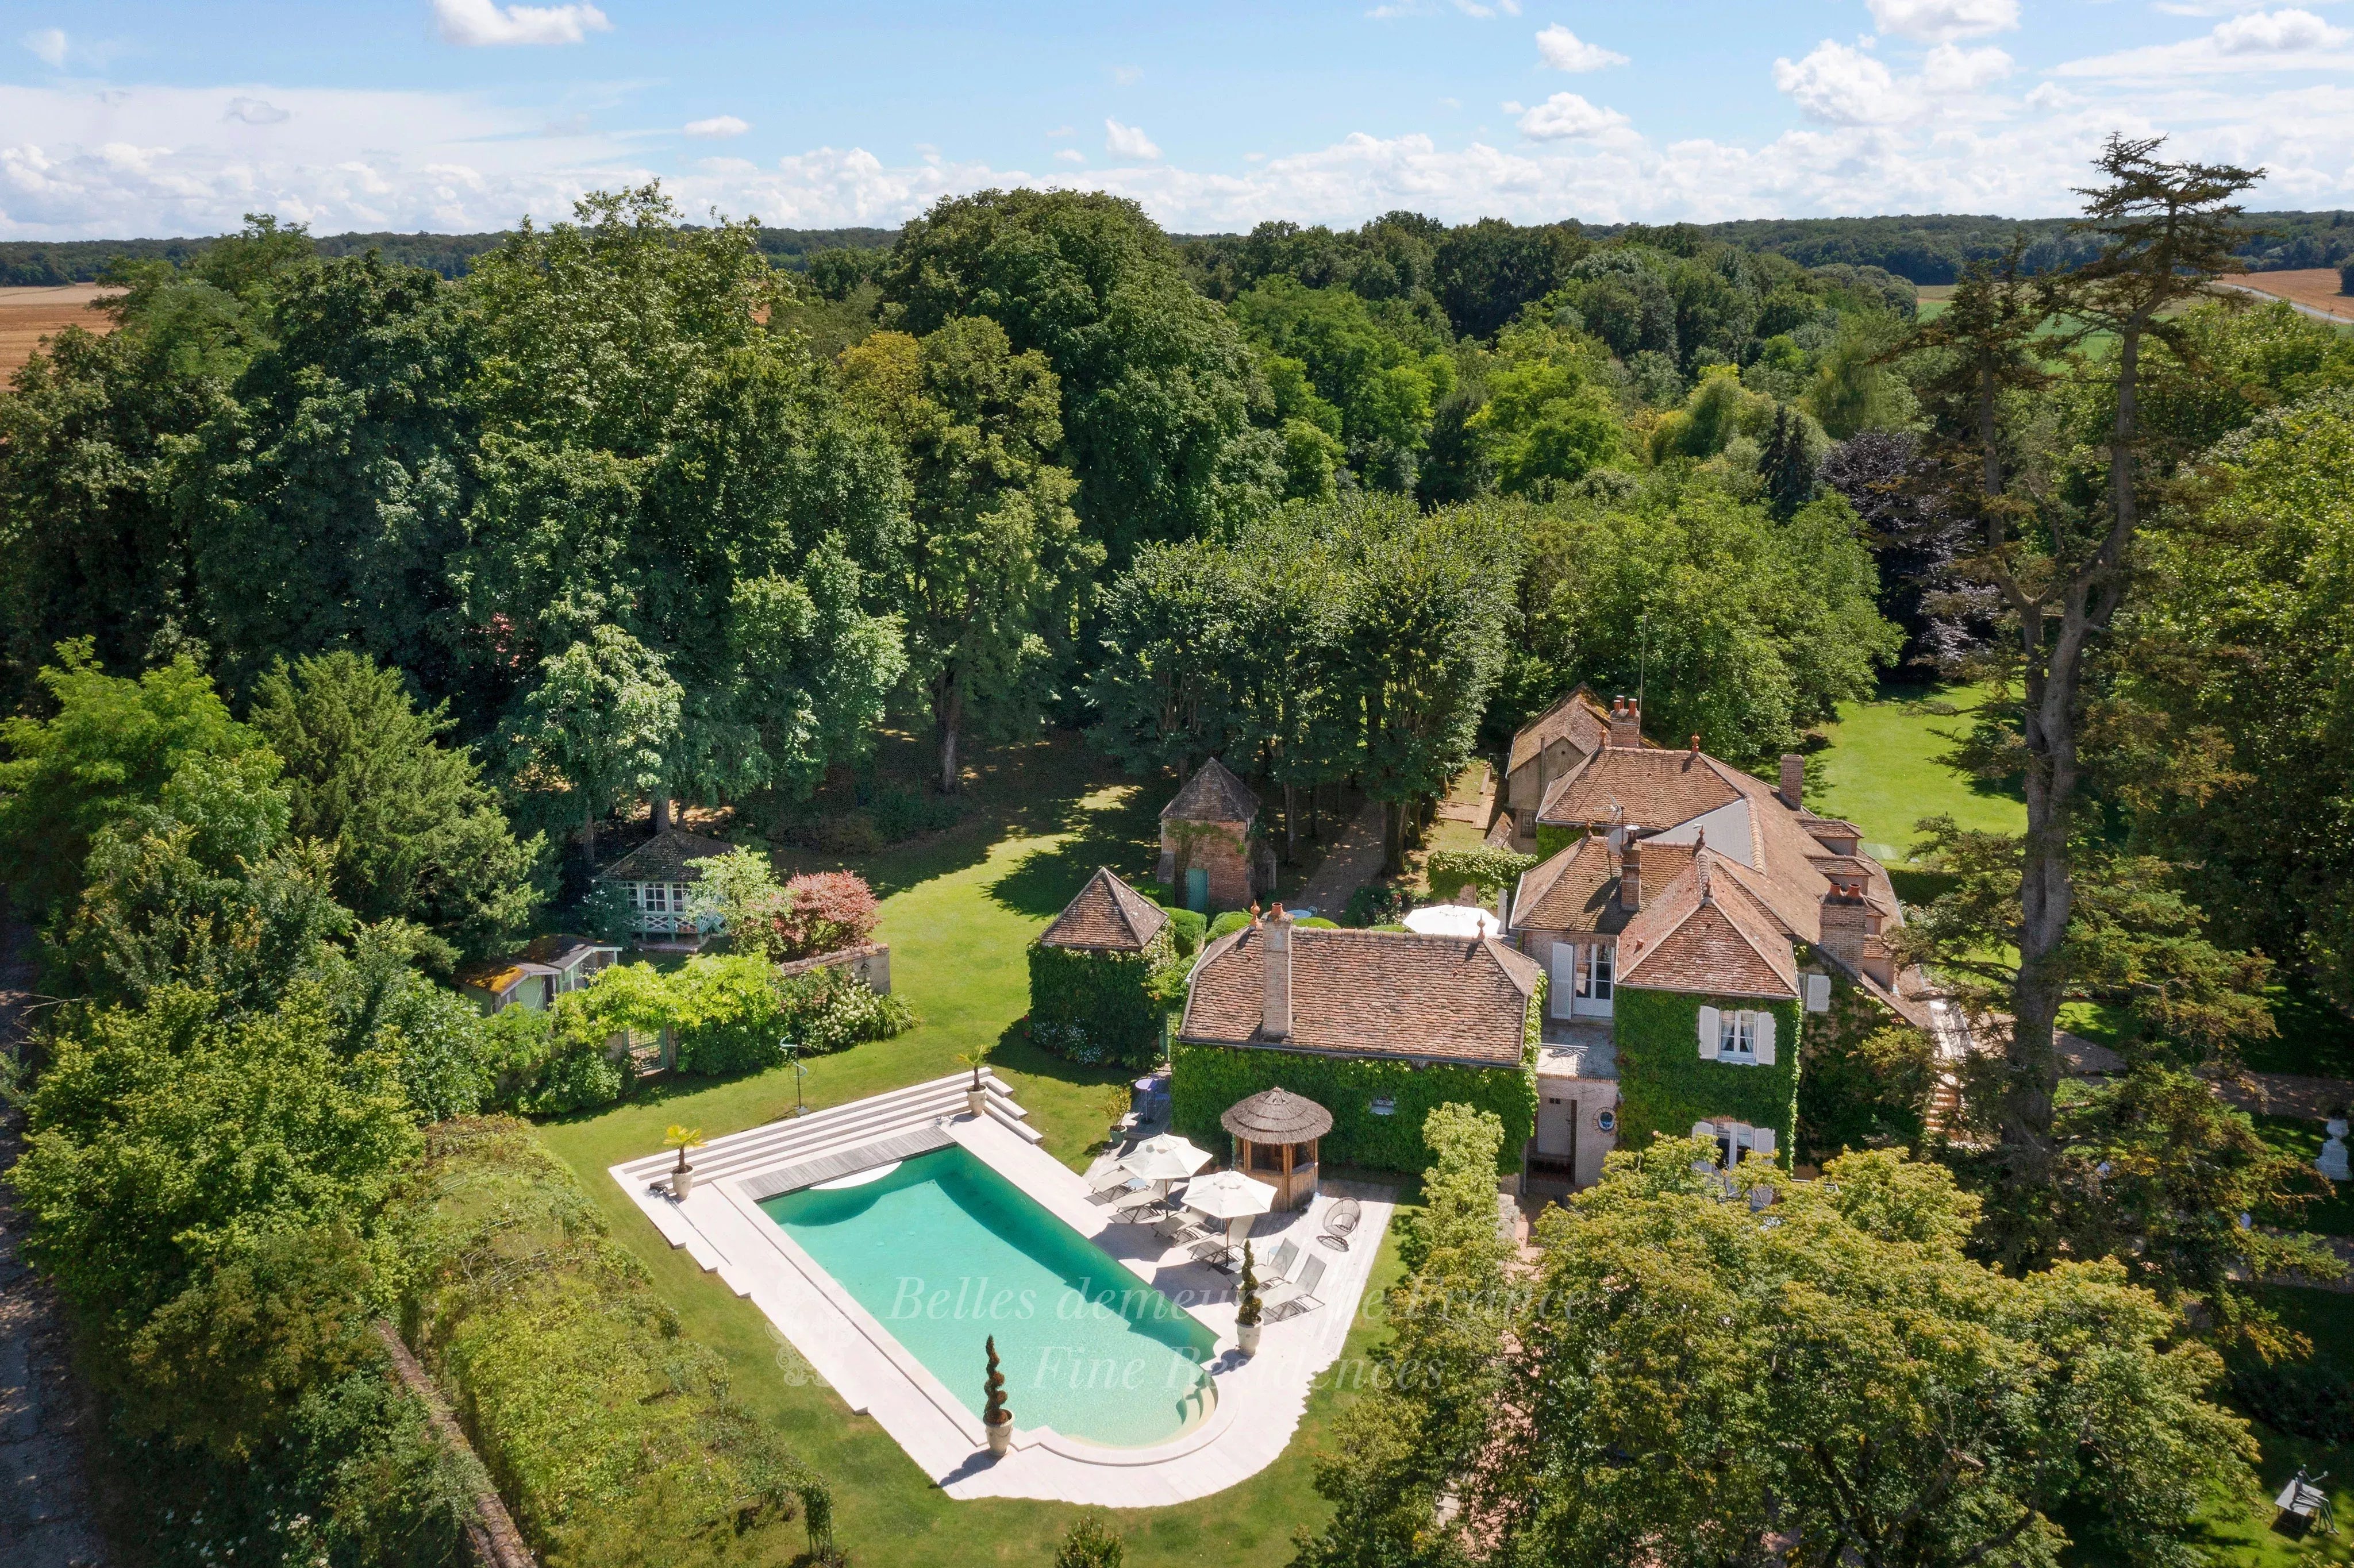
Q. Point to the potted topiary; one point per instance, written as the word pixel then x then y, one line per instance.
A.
pixel 976 1099
pixel 995 1419
pixel 682 1178
pixel 1248 1307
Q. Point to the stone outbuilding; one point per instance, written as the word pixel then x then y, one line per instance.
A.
pixel 1208 844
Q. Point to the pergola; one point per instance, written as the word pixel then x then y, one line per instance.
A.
pixel 1274 1135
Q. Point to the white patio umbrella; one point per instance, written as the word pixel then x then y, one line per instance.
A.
pixel 1231 1196
pixel 1167 1158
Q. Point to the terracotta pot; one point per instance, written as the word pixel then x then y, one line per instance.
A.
pixel 1247 1337
pixel 1001 1436
pixel 977 1101
pixel 681 1182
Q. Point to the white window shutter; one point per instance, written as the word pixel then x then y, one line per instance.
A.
pixel 1819 993
pixel 1703 1129
pixel 1710 1029
pixel 1761 1141
pixel 1764 1039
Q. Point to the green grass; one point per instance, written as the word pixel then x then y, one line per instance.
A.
pixel 1882 770
pixel 2301 1140
pixel 958 913
pixel 2314 1036
pixel 2243 1538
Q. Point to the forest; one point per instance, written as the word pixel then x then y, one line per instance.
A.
pixel 353 600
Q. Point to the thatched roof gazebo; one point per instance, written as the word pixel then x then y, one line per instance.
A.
pixel 1276 1134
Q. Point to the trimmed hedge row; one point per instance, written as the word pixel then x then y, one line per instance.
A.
pixel 1102 1007
pixel 612 1436
pixel 728 1013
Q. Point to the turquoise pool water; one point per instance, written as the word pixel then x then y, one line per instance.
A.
pixel 944 1252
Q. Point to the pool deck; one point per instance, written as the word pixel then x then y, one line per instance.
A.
pixel 1260 1400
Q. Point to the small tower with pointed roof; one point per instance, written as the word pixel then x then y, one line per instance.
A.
pixel 1097 973
pixel 1207 828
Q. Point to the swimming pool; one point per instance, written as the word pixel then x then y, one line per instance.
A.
pixel 944 1252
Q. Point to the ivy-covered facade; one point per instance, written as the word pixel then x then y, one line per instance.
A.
pixel 1378 1027
pixel 1101 976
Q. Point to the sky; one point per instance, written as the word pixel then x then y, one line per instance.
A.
pixel 121 120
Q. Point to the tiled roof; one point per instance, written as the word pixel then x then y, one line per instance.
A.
pixel 562 951
pixel 668 856
pixel 1108 915
pixel 1705 933
pixel 1579 718
pixel 1577 890
pixel 1212 795
pixel 1655 787
pixel 1389 993
pixel 546 954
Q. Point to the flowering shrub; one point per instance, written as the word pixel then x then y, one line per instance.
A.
pixel 818 912
pixel 827 1010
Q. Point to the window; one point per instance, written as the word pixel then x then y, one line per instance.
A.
pixel 1605 966
pixel 678 897
pixel 654 896
pixel 1384 1105
pixel 1737 1037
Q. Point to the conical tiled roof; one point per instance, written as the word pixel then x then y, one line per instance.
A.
pixel 1109 916
pixel 1212 795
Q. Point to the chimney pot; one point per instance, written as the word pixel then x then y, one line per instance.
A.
pixel 1626 723
pixel 1793 780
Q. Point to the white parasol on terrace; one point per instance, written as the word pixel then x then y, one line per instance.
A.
pixel 1231 1196
pixel 1167 1158
pixel 1454 920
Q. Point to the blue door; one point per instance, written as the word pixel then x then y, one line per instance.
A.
pixel 1197 888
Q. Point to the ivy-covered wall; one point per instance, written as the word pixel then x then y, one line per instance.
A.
pixel 1100 1007
pixel 1664 1087
pixel 1205 1080
pixel 1551 841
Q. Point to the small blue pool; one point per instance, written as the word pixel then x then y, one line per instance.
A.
pixel 944 1252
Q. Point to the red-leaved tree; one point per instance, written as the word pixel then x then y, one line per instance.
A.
pixel 822 911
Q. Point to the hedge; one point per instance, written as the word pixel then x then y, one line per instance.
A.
pixel 1094 1007
pixel 1205 1080
pixel 1488 869
pixel 1664 1087
pixel 613 1436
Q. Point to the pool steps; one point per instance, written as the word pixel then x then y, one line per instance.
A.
pixel 843 1129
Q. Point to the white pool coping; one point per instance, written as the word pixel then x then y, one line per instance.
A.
pixel 1260 1401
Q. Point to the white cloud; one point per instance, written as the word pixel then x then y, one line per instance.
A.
pixel 255 111
pixel 1838 85
pixel 2262 32
pixel 1943 21
pixel 1128 76
pixel 476 23
pixel 2288 39
pixel 1951 68
pixel 49 46
pixel 1062 131
pixel 718 125
pixel 1128 142
pixel 1565 115
pixel 1070 155
pixel 1565 50
pixel 1450 103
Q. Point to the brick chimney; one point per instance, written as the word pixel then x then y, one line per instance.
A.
pixel 1793 780
pixel 1846 921
pixel 1626 722
pixel 1631 876
pixel 1275 1024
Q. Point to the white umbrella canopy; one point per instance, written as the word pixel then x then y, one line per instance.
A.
pixel 1167 1158
pixel 1229 1195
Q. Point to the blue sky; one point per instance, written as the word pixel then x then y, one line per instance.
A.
pixel 121 118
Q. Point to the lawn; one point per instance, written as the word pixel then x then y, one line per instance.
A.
pixel 2246 1539
pixel 1882 769
pixel 958 912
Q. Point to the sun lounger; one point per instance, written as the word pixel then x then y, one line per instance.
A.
pixel 1112 1184
pixel 1341 1224
pixel 1287 1297
pixel 1177 1229
pixel 1138 1207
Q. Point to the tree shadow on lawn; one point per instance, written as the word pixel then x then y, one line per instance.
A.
pixel 1023 789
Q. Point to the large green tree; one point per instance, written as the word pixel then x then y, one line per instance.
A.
pixel 415 831
pixel 1157 385
pixel 993 561
pixel 660 462
pixel 201 1184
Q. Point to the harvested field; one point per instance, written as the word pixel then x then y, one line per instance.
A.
pixel 2315 287
pixel 28 315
